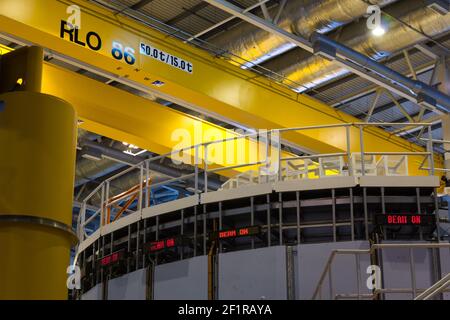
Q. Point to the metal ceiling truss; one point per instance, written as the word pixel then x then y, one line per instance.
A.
pixel 413 90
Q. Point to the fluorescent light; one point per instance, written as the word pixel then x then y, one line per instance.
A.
pixel 378 31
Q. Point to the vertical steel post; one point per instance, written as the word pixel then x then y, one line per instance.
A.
pixel 361 143
pixel 297 199
pixel 290 273
pixel 102 207
pixel 269 227
pixel 111 250
pixel 206 168
pixel 430 150
pixel 280 218
pixel 107 201
pixel 432 172
pixel 156 236
pixel 129 248
pixel 352 215
pixel 147 183
pixel 144 242
pixel 141 188
pixel 220 224
pixel 383 209
pixel 196 160
pixel 366 214
pixel 94 272
pixel 195 231
pixel 333 201
pixel 252 217
pixel 102 271
pixel 182 234
pixel 82 219
pixel 419 210
pixel 138 232
pixel 204 229
pixel 349 151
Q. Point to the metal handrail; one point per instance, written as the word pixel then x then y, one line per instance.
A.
pixel 143 166
pixel 435 289
pixel 371 250
pixel 380 291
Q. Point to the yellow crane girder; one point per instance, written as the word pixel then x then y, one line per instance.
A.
pixel 148 124
pixel 125 48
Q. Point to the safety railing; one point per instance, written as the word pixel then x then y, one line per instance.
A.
pixel 136 187
pixel 378 290
pixel 438 288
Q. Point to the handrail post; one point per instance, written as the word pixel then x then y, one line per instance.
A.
pixel 141 183
pixel 349 151
pixel 82 221
pixel 206 168
pixel 430 150
pixel 279 165
pixel 102 208
pixel 106 198
pixel 361 142
pixel 267 162
pixel 196 160
pixel 147 183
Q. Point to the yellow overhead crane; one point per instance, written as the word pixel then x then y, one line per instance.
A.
pixel 38 139
pixel 139 54
pixel 130 50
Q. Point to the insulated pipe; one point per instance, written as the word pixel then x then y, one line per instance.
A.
pixel 299 17
pixel 312 71
pixel 414 85
pixel 37 165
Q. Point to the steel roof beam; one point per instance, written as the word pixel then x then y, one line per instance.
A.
pixel 347 57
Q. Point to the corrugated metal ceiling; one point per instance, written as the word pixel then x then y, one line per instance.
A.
pixel 194 16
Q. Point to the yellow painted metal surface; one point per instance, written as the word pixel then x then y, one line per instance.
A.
pixel 34 262
pixel 21 70
pixel 213 85
pixel 129 118
pixel 37 165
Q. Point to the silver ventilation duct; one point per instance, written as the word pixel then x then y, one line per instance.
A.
pixel 88 170
pixel 315 70
pixel 299 17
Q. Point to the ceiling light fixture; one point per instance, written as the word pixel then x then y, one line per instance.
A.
pixel 378 31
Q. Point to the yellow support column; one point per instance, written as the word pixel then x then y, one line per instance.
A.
pixel 37 165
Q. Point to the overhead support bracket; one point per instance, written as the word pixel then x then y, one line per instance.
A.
pixel 426 101
pixel 350 59
pixel 281 7
pixel 265 12
pixel 323 49
pixel 349 55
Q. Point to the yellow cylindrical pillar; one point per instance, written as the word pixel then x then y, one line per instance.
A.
pixel 37 165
